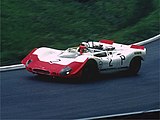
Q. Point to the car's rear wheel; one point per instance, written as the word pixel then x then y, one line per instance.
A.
pixel 90 71
pixel 135 66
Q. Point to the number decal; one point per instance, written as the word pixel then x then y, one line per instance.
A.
pixel 110 65
pixel 122 59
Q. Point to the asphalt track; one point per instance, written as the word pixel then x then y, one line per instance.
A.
pixel 26 96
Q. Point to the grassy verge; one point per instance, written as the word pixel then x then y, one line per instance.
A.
pixel 61 24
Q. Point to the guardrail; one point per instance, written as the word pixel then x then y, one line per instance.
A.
pixel 148 40
pixel 12 67
pixel 21 66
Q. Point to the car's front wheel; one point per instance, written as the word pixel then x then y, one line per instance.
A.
pixel 90 71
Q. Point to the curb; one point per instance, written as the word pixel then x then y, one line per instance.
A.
pixel 21 66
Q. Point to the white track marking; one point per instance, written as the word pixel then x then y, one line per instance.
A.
pixel 118 115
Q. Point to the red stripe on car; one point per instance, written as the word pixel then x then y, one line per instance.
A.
pixel 107 41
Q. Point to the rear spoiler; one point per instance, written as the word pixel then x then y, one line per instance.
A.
pixel 137 47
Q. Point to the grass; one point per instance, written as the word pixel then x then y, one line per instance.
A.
pixel 64 23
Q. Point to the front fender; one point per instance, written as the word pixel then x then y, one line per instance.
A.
pixel 77 68
pixel 28 56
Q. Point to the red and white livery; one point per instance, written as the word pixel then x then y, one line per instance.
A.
pixel 86 60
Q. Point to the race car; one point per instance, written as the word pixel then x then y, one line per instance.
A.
pixel 85 61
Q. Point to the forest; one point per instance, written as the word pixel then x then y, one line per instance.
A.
pixel 26 24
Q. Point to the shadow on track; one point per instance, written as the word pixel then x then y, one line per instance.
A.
pixel 101 77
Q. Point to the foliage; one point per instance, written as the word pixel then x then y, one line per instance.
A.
pixel 64 23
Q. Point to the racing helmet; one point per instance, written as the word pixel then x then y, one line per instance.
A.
pixel 82 48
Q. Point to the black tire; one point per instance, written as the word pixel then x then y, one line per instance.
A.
pixel 90 71
pixel 135 66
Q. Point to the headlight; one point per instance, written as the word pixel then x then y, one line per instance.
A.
pixel 28 62
pixel 65 71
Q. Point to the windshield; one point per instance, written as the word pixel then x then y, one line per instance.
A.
pixel 69 53
pixel 73 49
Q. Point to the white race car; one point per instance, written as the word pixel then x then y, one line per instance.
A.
pixel 86 60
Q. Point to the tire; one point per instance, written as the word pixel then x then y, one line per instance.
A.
pixel 135 66
pixel 90 71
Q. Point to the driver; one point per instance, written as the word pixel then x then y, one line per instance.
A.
pixel 82 48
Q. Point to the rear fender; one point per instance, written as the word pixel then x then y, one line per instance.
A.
pixel 138 57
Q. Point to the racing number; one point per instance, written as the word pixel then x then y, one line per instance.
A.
pixel 110 65
pixel 122 59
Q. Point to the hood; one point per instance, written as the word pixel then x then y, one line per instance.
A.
pixel 61 57
pixel 53 61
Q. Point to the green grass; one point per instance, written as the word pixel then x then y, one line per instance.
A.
pixel 64 23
